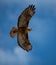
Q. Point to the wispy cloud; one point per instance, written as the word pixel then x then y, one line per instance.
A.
pixel 15 57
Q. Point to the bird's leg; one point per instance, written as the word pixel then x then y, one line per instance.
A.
pixel 29 29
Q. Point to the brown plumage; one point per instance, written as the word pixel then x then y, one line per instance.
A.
pixel 22 30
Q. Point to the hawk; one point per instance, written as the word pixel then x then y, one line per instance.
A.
pixel 22 28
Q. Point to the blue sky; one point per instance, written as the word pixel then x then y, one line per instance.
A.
pixel 42 36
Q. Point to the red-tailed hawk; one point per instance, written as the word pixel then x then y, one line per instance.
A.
pixel 22 29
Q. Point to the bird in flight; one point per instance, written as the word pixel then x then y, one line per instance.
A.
pixel 22 28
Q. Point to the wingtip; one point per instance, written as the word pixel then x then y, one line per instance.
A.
pixel 32 6
pixel 29 48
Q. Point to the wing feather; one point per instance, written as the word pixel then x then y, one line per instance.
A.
pixel 26 15
pixel 23 41
pixel 23 22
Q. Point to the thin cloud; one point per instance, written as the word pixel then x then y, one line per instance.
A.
pixel 18 56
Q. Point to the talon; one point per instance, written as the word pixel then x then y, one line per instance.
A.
pixel 29 29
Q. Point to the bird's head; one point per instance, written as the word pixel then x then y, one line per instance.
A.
pixel 13 32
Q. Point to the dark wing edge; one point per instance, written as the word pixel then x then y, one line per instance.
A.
pixel 23 41
pixel 25 16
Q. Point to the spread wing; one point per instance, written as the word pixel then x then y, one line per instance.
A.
pixel 23 20
pixel 25 16
pixel 23 41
